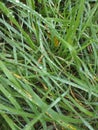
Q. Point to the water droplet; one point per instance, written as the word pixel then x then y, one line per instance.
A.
pixel 30 99
pixel 9 96
pixel 26 125
pixel 23 4
pixel 72 26
pixel 10 14
pixel 17 1
pixel 40 67
pixel 13 16
pixel 39 15
pixel 28 11
pixel 19 91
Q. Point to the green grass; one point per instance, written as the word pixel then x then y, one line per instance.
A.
pixel 49 65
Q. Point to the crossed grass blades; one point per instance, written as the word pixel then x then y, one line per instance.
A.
pixel 48 65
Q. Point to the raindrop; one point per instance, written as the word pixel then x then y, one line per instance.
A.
pixel 13 16
pixel 23 4
pixel 9 96
pixel 17 1
pixel 19 91
pixel 26 125
pixel 9 14
pixel 40 67
pixel 28 11
pixel 30 99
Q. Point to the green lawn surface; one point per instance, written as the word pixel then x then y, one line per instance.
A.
pixel 49 65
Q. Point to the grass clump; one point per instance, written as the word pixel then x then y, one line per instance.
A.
pixel 48 65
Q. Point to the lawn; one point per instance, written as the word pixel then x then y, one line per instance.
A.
pixel 49 65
